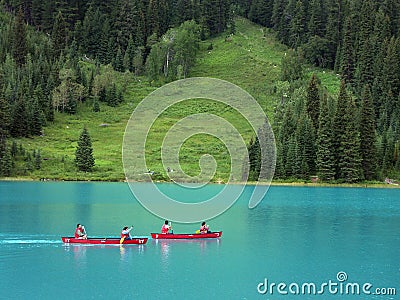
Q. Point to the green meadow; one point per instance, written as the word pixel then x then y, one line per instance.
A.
pixel 250 59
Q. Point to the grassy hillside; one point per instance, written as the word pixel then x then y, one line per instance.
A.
pixel 250 59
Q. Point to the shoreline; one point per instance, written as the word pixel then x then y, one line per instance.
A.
pixel 273 183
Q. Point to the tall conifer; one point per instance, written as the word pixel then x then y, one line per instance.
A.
pixel 368 136
pixel 84 159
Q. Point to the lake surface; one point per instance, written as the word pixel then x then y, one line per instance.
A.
pixel 333 238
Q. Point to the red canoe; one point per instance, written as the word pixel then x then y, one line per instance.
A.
pixel 187 235
pixel 104 241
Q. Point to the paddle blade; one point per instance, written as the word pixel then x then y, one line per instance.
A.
pixel 121 240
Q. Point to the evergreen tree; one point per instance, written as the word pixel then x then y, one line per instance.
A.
pixel 349 158
pixel 5 158
pixel 368 136
pixel 138 61
pixel 388 151
pixel 347 59
pixel 391 67
pixel 339 124
pixel 305 160
pixel 364 73
pixel 325 157
pixel 261 12
pixel 119 62
pixel 48 13
pixel 297 26
pixel 19 126
pixel 5 118
pixel 316 24
pixel 391 9
pixel 96 104
pixel 111 97
pixel 292 67
pixel 124 23
pixel 313 101
pixel 20 47
pixel 36 119
pixel 333 34
pixel 129 55
pixel 37 13
pixel 367 17
pixel 59 34
pixel 254 159
pixel 38 160
pixel 84 159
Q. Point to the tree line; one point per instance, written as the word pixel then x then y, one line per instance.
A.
pixel 44 46
pixel 360 41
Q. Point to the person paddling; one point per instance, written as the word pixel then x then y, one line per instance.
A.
pixel 80 232
pixel 166 227
pixel 126 233
pixel 204 228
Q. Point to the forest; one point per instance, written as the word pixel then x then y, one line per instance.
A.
pixel 349 137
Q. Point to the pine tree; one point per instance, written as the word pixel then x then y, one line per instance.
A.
pixel 325 157
pixel 19 126
pixel 292 67
pixel 333 33
pixel 129 55
pixel 38 160
pixel 84 159
pixel 339 124
pixel 364 73
pixel 119 61
pixel 368 136
pixel 305 135
pixel 347 59
pixel 124 23
pixel 5 118
pixel 313 101
pixel 254 159
pixel 297 26
pixel 5 158
pixel 59 34
pixel 391 67
pixel 36 119
pixel 112 99
pixel 349 157
pixel 20 47
pixel 261 12
pixel 315 24
pixel 391 9
pixel 388 147
pixel 96 104
pixel 48 13
pixel 367 17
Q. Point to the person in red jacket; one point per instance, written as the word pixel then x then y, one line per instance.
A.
pixel 166 227
pixel 126 233
pixel 80 232
pixel 204 228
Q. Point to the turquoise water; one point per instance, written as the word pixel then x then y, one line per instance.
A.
pixel 296 235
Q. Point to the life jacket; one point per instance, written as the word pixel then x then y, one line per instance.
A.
pixel 125 235
pixel 78 233
pixel 164 228
pixel 204 229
